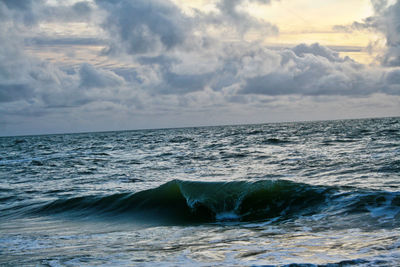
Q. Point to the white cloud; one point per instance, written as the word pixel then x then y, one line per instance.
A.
pixel 314 70
pixel 386 20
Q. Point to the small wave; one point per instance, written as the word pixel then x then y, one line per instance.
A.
pixel 180 139
pixel 391 167
pixel 234 155
pixel 389 132
pixel 255 132
pixel 337 141
pixel 36 163
pixel 274 141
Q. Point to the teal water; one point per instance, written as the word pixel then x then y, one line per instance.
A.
pixel 315 193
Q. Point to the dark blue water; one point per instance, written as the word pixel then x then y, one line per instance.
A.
pixel 318 193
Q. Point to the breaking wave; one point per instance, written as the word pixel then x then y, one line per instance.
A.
pixel 186 202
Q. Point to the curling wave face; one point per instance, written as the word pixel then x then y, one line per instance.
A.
pixel 187 202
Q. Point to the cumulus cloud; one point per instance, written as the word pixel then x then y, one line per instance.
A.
pixel 231 14
pixel 150 27
pixel 313 70
pixel 138 27
pixel 239 69
pixel 386 20
pixel 316 49
pixel 28 83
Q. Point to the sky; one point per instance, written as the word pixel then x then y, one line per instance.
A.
pixel 102 65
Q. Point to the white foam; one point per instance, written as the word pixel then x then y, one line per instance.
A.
pixel 385 212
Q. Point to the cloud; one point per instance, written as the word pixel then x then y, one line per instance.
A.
pixel 183 83
pixel 93 78
pixel 166 42
pixel 389 24
pixel 386 20
pixel 231 14
pixel 32 86
pixel 139 27
pixel 151 27
pixel 18 10
pixel 12 92
pixel 18 4
pixel 160 64
pixel 311 70
pixel 30 13
pixel 392 82
pixel 65 41
pixel 316 49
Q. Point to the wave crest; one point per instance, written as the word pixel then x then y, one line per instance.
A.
pixel 196 202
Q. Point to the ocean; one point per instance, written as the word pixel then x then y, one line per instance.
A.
pixel 323 193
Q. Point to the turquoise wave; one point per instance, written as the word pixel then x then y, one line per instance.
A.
pixel 186 202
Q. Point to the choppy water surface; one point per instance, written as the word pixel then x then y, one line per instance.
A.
pixel 315 193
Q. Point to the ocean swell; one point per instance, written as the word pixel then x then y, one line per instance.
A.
pixel 188 202
pixel 197 202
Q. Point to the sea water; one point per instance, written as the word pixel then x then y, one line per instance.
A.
pixel 305 193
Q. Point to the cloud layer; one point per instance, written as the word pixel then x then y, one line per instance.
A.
pixel 198 68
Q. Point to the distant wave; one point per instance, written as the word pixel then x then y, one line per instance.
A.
pixel 274 141
pixel 187 202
